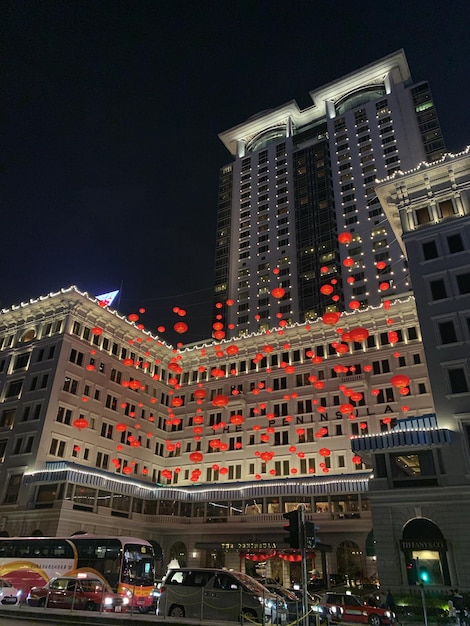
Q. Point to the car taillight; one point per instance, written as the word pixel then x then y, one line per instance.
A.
pixel 162 589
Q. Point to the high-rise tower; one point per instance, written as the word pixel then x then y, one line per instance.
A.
pixel 299 179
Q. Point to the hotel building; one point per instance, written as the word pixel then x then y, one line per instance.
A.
pixel 105 428
pixel 299 178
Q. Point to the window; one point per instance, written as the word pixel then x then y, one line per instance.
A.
pixel 447 208
pixel 14 388
pixel 13 488
pixel 57 448
pixel 447 331
pixel 429 249
pixel 70 385
pixel 458 380
pixel 21 360
pixel 76 357
pixel 463 283
pixel 422 216
pixel 107 430
pixel 455 243
pixel 7 418
pixel 64 416
pixel 438 289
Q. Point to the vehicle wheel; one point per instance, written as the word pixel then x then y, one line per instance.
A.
pixel 250 615
pixel 91 606
pixel 144 609
pixel 42 602
pixel 374 620
pixel 176 611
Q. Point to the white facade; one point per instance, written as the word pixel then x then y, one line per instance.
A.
pixel 58 478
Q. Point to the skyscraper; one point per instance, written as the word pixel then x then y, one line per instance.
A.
pixel 300 178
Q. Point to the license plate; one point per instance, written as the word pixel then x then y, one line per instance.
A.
pixel 117 609
pixel 9 600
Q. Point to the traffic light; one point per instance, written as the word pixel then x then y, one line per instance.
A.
pixel 292 528
pixel 424 575
pixel 311 537
pixel 412 572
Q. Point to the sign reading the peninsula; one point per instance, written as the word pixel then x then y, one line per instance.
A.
pixel 265 545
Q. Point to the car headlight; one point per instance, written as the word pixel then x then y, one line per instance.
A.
pixel 108 601
pixel 388 614
pixel 125 600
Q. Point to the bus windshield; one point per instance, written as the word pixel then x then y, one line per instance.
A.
pixel 138 565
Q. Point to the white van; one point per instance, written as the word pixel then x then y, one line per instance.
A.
pixel 218 594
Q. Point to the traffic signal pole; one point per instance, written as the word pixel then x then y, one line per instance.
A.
pixel 303 552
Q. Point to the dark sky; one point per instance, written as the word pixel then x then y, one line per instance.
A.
pixel 110 114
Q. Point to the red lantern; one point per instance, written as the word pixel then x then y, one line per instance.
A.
pixel 177 402
pixel 80 423
pixel 97 330
pixel 331 318
pixel 354 304
pixel 266 456
pixel 359 334
pixel 127 469
pixel 381 265
pixel 346 408
pixel 324 452
pixel 326 290
pixel 348 262
pixel 356 459
pixel 236 419
pixel 216 372
pixel 400 380
pixel 180 327
pixel 384 286
pixel 356 396
pixel 345 238
pixel 278 293
pixel 133 317
pixel 196 457
pixel 220 400
pixel 200 394
pixel 232 350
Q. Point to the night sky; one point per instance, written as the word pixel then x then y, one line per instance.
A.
pixel 110 114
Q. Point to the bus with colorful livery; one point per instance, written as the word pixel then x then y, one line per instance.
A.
pixel 125 564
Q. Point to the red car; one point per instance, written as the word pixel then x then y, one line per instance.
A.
pixel 348 608
pixel 66 592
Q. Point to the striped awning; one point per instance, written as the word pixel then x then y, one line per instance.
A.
pixel 399 438
pixel 63 471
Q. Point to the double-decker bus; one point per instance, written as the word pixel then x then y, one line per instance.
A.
pixel 126 564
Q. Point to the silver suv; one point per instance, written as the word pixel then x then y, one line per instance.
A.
pixel 217 594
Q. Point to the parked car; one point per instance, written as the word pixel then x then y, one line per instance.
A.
pixel 66 592
pixel 217 594
pixel 315 606
pixel 294 602
pixel 9 594
pixel 349 608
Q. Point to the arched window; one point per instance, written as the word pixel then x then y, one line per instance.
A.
pixel 349 560
pixel 425 551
